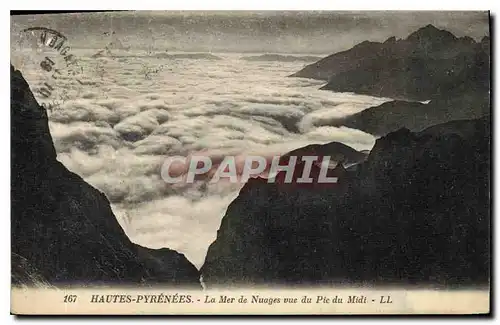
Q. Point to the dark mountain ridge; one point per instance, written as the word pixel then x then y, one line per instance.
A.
pixel 416 116
pixel 416 212
pixel 63 230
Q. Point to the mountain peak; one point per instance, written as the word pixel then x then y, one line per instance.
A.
pixel 430 27
pixel 430 33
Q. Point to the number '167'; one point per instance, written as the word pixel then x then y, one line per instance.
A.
pixel 69 298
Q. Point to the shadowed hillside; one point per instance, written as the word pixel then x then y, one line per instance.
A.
pixel 63 230
pixel 416 212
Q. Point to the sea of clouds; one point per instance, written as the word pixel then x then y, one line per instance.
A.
pixel 119 118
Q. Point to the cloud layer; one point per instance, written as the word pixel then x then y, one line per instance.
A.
pixel 117 128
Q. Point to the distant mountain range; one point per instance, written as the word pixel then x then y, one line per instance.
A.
pixel 175 56
pixel 427 64
pixel 280 58
pixel 452 74
pixel 192 56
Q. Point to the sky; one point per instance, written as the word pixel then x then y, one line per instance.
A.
pixel 246 31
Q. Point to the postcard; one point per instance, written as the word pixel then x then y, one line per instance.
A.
pixel 251 163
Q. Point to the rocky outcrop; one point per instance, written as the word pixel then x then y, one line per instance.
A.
pixel 335 150
pixel 331 160
pixel 63 230
pixel 416 116
pixel 428 64
pixel 417 211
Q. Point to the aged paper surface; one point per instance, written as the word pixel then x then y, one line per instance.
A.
pixel 266 162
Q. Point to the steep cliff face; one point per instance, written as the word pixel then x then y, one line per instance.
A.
pixel 415 212
pixel 63 230
pixel 427 64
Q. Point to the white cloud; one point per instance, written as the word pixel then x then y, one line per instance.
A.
pixel 83 110
pixel 84 136
pixel 138 126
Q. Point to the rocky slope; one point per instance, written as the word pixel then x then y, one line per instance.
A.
pixel 427 64
pixel 417 211
pixel 63 230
